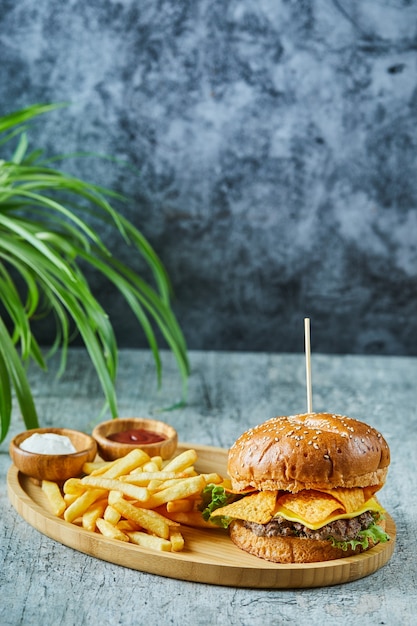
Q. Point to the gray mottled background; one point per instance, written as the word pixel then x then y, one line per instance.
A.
pixel 273 147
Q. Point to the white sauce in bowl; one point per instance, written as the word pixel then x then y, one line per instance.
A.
pixel 48 443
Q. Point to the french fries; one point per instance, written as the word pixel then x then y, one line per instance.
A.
pixel 111 515
pixel 77 508
pixel 177 541
pixel 92 514
pixel 111 484
pixel 150 541
pixel 108 530
pixel 135 499
pixel 55 498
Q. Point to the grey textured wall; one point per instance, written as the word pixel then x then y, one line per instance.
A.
pixel 275 146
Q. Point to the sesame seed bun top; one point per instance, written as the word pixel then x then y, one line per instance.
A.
pixel 309 451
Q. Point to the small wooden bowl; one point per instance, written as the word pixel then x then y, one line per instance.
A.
pixel 110 450
pixel 55 467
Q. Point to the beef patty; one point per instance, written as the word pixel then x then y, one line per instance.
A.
pixel 340 530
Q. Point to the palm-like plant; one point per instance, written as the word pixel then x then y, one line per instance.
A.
pixel 45 240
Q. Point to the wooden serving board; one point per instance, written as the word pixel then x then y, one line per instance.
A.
pixel 209 556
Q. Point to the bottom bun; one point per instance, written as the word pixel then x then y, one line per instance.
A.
pixel 287 549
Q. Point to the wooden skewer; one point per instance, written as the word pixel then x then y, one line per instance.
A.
pixel 308 365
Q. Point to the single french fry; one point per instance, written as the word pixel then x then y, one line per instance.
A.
pixel 150 541
pixel 111 515
pixel 55 500
pixel 157 515
pixel 142 479
pixel 134 472
pixel 156 524
pixel 189 471
pixel 96 467
pixel 69 498
pixel 158 460
pixel 132 491
pixel 73 486
pixel 108 530
pixel 81 504
pixel 185 473
pixel 180 462
pixel 179 491
pixel 214 478
pixel 113 495
pixel 126 464
pixel 177 540
pixel 158 485
pixel 175 506
pixel 92 514
pixel 150 466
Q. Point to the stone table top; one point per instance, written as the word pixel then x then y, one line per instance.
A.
pixel 46 583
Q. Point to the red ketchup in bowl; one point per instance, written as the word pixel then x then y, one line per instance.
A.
pixel 137 436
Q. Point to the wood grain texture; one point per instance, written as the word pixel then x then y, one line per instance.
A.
pixel 209 556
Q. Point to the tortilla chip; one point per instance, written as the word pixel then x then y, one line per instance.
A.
pixel 351 499
pixel 370 491
pixel 312 506
pixel 258 507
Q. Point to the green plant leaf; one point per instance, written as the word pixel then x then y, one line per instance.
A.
pixel 18 378
pixel 5 398
pixel 46 241
pixel 18 117
pixel 20 151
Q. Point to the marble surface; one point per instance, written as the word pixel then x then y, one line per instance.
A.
pixel 272 155
pixel 45 583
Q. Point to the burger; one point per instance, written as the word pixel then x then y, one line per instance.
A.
pixel 302 489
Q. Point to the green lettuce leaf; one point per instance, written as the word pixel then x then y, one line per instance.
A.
pixel 374 532
pixel 214 497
